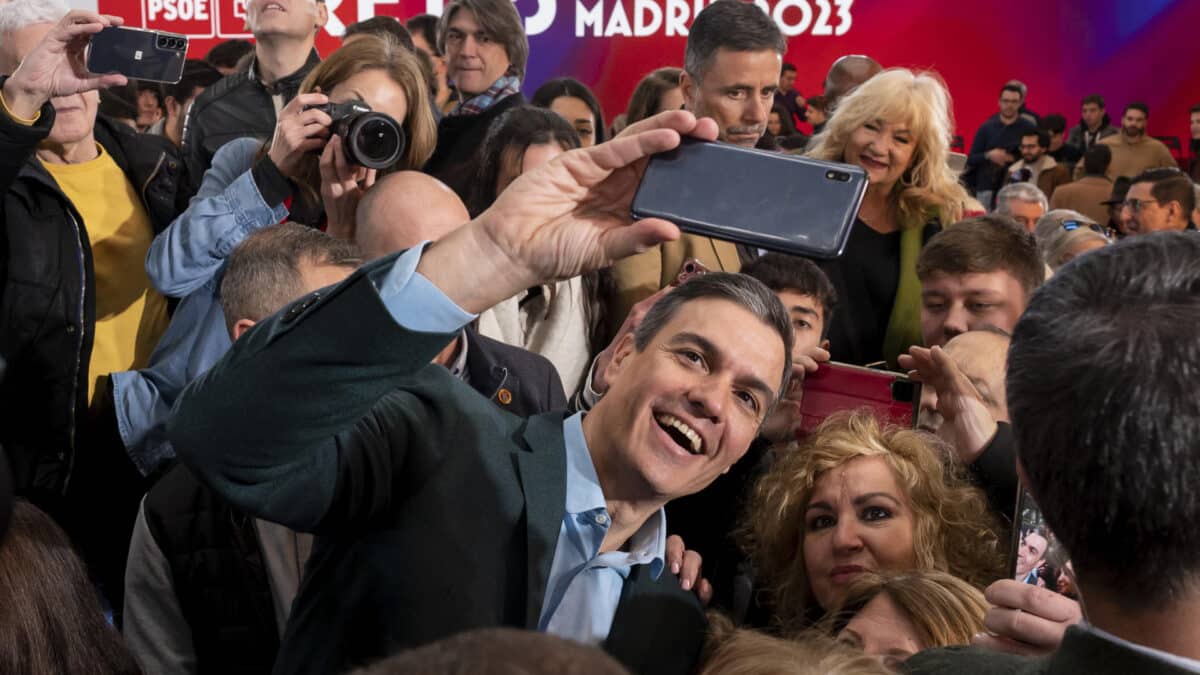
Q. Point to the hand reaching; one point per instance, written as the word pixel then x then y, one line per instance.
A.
pixel 342 186
pixel 967 424
pixel 1026 620
pixel 56 67
pixel 567 217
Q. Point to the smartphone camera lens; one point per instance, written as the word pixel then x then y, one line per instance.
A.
pixel 839 176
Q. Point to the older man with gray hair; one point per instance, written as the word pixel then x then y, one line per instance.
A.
pixel 1023 202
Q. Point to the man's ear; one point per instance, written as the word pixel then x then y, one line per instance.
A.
pixel 241 326
pixel 173 107
pixel 825 344
pixel 690 90
pixel 621 357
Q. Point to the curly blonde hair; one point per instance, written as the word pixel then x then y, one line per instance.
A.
pixel 929 188
pixel 945 610
pixel 953 530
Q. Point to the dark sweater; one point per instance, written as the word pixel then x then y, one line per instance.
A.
pixel 982 173
pixel 459 138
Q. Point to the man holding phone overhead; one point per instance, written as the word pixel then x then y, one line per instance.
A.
pixel 731 72
pixel 83 199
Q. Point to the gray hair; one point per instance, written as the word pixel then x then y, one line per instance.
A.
pixel 730 24
pixel 1055 243
pixel 745 291
pixel 1021 192
pixel 262 274
pixel 20 14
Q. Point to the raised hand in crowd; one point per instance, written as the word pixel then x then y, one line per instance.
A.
pixel 1026 620
pixel 966 421
pixel 300 130
pixel 783 422
pixel 566 217
pixel 55 67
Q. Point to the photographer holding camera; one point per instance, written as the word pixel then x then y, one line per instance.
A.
pixel 311 172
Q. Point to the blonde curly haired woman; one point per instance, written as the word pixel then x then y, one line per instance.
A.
pixel 856 498
pixel 897 126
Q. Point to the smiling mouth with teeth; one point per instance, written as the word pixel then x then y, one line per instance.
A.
pixel 681 433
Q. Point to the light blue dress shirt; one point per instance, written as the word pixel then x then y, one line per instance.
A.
pixel 584 587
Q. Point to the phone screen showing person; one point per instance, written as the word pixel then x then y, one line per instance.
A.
pixel 1037 557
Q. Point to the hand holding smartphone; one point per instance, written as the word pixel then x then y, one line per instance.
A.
pixel 138 54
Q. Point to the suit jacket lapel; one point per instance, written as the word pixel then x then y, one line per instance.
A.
pixel 543 471
pixel 487 375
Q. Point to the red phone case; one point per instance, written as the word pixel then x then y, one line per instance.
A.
pixel 837 386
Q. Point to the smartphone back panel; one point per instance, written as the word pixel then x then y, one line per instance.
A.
pixel 835 387
pixel 138 54
pixel 768 200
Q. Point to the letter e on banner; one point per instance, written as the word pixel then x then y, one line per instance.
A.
pixel 193 18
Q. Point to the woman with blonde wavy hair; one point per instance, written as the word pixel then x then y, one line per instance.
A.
pixel 897 126
pixel 858 498
pixel 894 615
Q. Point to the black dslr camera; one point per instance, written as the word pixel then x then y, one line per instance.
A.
pixel 371 139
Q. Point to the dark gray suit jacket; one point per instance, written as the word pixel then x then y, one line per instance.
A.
pixel 1081 653
pixel 437 512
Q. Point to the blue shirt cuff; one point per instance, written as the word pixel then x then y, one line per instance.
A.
pixel 414 302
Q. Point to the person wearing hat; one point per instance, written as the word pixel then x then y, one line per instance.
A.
pixel 1087 195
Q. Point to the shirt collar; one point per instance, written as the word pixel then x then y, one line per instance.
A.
pixel 287 81
pixel 649 544
pixel 459 367
pixel 1175 660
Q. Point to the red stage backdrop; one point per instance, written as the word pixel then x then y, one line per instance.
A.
pixel 1125 51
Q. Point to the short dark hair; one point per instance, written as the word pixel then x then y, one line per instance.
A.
pixel 1137 105
pixel 495 650
pixel 729 24
pixel 387 27
pixel 787 68
pixel 819 102
pixel 1095 99
pixel 1116 476
pixel 425 25
pixel 984 244
pixel 569 86
pixel 196 73
pixel 1096 159
pixel 498 19
pixel 1043 137
pixel 1169 185
pixel 228 53
pixel 1195 109
pixel 1053 123
pixel 780 272
pixel 1015 88
pixel 262 275
pixel 741 289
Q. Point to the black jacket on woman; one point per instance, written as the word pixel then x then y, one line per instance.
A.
pixel 47 294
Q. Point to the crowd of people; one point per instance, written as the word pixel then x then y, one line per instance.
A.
pixel 268 409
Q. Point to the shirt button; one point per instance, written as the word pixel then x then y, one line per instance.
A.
pixel 601 519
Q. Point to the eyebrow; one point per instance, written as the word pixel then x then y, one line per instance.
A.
pixel 804 310
pixel 858 501
pixel 705 345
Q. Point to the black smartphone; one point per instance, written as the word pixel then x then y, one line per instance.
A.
pixel 149 55
pixel 769 200
pixel 1037 557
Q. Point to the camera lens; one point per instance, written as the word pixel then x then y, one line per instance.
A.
pixel 374 140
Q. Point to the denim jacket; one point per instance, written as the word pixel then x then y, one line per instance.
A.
pixel 186 260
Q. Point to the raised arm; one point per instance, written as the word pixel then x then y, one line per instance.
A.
pixel 287 426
